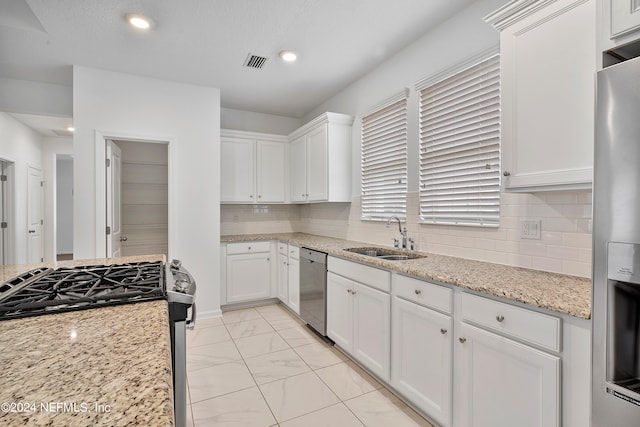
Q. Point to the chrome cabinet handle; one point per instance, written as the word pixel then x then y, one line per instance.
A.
pixel 499 317
pixel 443 331
pixel 462 340
pixel 123 239
pixel 506 173
pixel 418 291
pixel 32 231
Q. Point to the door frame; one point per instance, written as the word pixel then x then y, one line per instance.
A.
pixel 43 227
pixel 100 141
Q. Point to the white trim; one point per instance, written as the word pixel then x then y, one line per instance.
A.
pixel 333 118
pixel 514 11
pixel 457 68
pixel 404 93
pixel 232 133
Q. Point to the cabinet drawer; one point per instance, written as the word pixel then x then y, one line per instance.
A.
pixel 247 247
pixel 294 252
pixel 423 293
pixel 283 248
pixel 537 328
pixel 374 277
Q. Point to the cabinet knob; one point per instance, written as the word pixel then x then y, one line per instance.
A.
pixel 418 291
pixel 462 340
pixel 302 195
pixel 249 248
pixel 499 317
pixel 349 290
pixel 443 331
pixel 267 259
pixel 251 196
pixel 506 173
pixel 259 197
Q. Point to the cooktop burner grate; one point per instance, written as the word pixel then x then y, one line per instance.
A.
pixel 76 288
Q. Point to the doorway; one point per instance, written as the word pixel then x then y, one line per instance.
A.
pixel 64 207
pixel 140 224
pixel 6 212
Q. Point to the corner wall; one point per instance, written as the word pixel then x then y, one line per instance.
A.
pixel 188 116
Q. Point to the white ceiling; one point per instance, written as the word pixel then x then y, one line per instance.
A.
pixel 205 42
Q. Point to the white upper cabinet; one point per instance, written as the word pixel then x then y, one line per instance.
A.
pixel 625 17
pixel 548 63
pixel 253 167
pixel 237 170
pixel 321 160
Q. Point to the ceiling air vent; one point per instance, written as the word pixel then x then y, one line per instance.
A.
pixel 255 61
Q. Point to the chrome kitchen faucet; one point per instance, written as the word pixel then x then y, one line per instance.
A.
pixel 403 232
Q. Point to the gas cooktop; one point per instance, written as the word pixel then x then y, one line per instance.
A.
pixel 47 291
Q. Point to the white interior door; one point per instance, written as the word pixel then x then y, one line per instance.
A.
pixel 114 202
pixel 35 215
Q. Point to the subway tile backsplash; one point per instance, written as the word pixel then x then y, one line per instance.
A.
pixel 564 245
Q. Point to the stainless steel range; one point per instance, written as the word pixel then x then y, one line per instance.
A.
pixel 47 291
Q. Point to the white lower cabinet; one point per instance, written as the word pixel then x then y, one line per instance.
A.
pixel 248 276
pixel 359 322
pixel 294 284
pixel 283 275
pixel 503 383
pixel 422 359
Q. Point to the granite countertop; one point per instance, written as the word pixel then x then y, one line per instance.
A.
pixel 552 291
pixel 108 366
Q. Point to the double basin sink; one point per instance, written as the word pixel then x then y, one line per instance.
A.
pixel 386 254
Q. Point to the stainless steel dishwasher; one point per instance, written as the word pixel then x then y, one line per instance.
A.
pixel 313 289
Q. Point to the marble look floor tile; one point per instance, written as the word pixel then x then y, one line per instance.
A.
pixel 218 380
pixel 204 336
pixel 279 324
pixel 278 314
pixel 245 408
pixel 348 380
pixel 271 308
pixel 189 417
pixel 236 316
pixel 209 321
pixel 380 408
pixel 260 344
pixel 248 328
pixel 298 336
pixel 211 354
pixel 318 355
pixel 274 366
pixel 336 415
pixel 295 396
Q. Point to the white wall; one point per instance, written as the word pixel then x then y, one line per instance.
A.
pixel 128 107
pixel 257 122
pixel 64 205
pixel 23 146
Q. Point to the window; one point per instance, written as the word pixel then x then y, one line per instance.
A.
pixel 384 161
pixel 460 146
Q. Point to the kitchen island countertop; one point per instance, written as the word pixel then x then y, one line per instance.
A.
pixel 552 291
pixel 108 366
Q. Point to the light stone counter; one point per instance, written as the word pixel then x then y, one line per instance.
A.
pixel 557 292
pixel 107 366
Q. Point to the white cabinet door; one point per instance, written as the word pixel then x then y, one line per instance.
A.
pixel 422 360
pixel 283 278
pixel 340 311
pixel 248 277
pixel 371 329
pixel 294 285
pixel 548 64
pixel 299 169
pixel 270 171
pixel 502 383
pixel 625 17
pixel 317 164
pixel 237 166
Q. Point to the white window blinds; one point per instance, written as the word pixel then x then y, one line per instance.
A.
pixel 384 162
pixel 460 147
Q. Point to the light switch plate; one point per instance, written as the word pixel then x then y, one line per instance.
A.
pixel 530 229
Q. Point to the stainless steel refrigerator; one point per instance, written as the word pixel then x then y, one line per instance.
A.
pixel 616 248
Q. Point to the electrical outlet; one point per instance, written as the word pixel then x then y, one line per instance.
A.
pixel 530 229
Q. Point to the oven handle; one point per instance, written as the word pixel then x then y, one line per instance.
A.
pixel 191 323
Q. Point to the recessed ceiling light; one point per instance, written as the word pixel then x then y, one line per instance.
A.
pixel 288 55
pixel 71 128
pixel 138 21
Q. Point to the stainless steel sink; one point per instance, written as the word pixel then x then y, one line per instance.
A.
pixel 384 253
